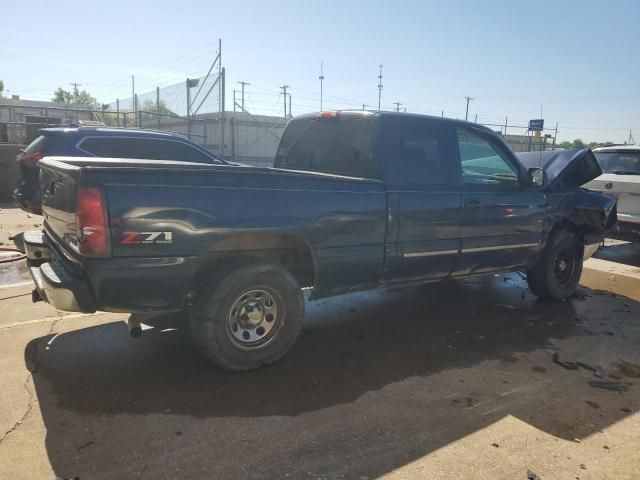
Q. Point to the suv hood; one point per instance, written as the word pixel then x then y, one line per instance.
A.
pixel 571 168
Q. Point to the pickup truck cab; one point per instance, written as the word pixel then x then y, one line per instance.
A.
pixel 356 200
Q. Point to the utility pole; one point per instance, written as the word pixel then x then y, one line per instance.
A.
pixel 242 95
pixel 133 95
pixel 284 91
pixel 364 106
pixel 506 120
pixel 397 104
pixel 555 136
pixel 321 78
pixel 379 86
pixel 75 90
pixel 289 104
pixel 466 115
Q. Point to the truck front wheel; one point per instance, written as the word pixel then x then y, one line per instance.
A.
pixel 250 317
pixel 557 272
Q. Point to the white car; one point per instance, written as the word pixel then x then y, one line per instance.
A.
pixel 621 179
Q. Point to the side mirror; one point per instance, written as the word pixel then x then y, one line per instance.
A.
pixel 536 177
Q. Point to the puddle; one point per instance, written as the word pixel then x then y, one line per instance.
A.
pixel 13 273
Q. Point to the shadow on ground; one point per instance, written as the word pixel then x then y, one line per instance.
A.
pixel 620 252
pixel 376 380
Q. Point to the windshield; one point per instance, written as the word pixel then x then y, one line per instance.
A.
pixel 619 162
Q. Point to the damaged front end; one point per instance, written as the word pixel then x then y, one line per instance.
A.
pixel 591 213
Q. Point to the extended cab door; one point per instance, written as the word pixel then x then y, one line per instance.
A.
pixel 502 220
pixel 423 233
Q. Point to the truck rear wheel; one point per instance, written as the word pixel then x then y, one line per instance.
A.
pixel 251 317
pixel 557 272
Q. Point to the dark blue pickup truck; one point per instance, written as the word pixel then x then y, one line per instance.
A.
pixel 355 201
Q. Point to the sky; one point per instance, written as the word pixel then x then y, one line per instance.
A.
pixel 577 62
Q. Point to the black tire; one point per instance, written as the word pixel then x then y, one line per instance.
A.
pixel 234 307
pixel 556 274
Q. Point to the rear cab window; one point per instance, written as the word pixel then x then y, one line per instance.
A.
pixel 341 145
pixel 417 153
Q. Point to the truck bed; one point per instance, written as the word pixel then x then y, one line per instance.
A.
pixel 174 218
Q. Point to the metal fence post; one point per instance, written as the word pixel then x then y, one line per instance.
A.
pixel 136 111
pixel 158 105
pixel 188 109
pixel 233 138
pixel 204 133
pixel 222 89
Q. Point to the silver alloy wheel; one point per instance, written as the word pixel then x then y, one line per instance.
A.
pixel 255 319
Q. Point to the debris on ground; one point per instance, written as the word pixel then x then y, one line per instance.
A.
pixel 627 369
pixel 626 409
pixel 532 476
pixel 494 444
pixel 567 365
pixel 610 385
pixel 598 371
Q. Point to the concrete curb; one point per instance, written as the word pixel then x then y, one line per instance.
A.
pixel 614 277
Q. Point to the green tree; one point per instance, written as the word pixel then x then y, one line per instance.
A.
pixel 1 88
pixel 578 144
pixel 80 97
pixel 62 96
pixel 150 106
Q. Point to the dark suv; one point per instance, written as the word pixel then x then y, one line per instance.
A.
pixel 100 142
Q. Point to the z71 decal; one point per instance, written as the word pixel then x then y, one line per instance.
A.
pixel 138 238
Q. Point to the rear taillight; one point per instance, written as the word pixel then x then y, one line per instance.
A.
pixel 91 222
pixel 32 157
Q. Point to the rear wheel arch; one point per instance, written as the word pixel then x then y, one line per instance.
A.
pixel 289 251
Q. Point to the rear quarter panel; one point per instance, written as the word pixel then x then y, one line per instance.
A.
pixel 215 211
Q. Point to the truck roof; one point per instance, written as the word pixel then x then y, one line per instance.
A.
pixel 360 113
pixel 102 130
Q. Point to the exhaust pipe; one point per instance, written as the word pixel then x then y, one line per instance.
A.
pixel 135 329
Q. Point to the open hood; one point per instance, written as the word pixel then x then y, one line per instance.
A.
pixel 571 168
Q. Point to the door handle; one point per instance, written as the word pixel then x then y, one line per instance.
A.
pixel 472 204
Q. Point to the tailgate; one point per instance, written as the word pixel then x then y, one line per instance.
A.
pixel 58 183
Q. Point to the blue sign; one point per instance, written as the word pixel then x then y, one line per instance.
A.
pixel 536 125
